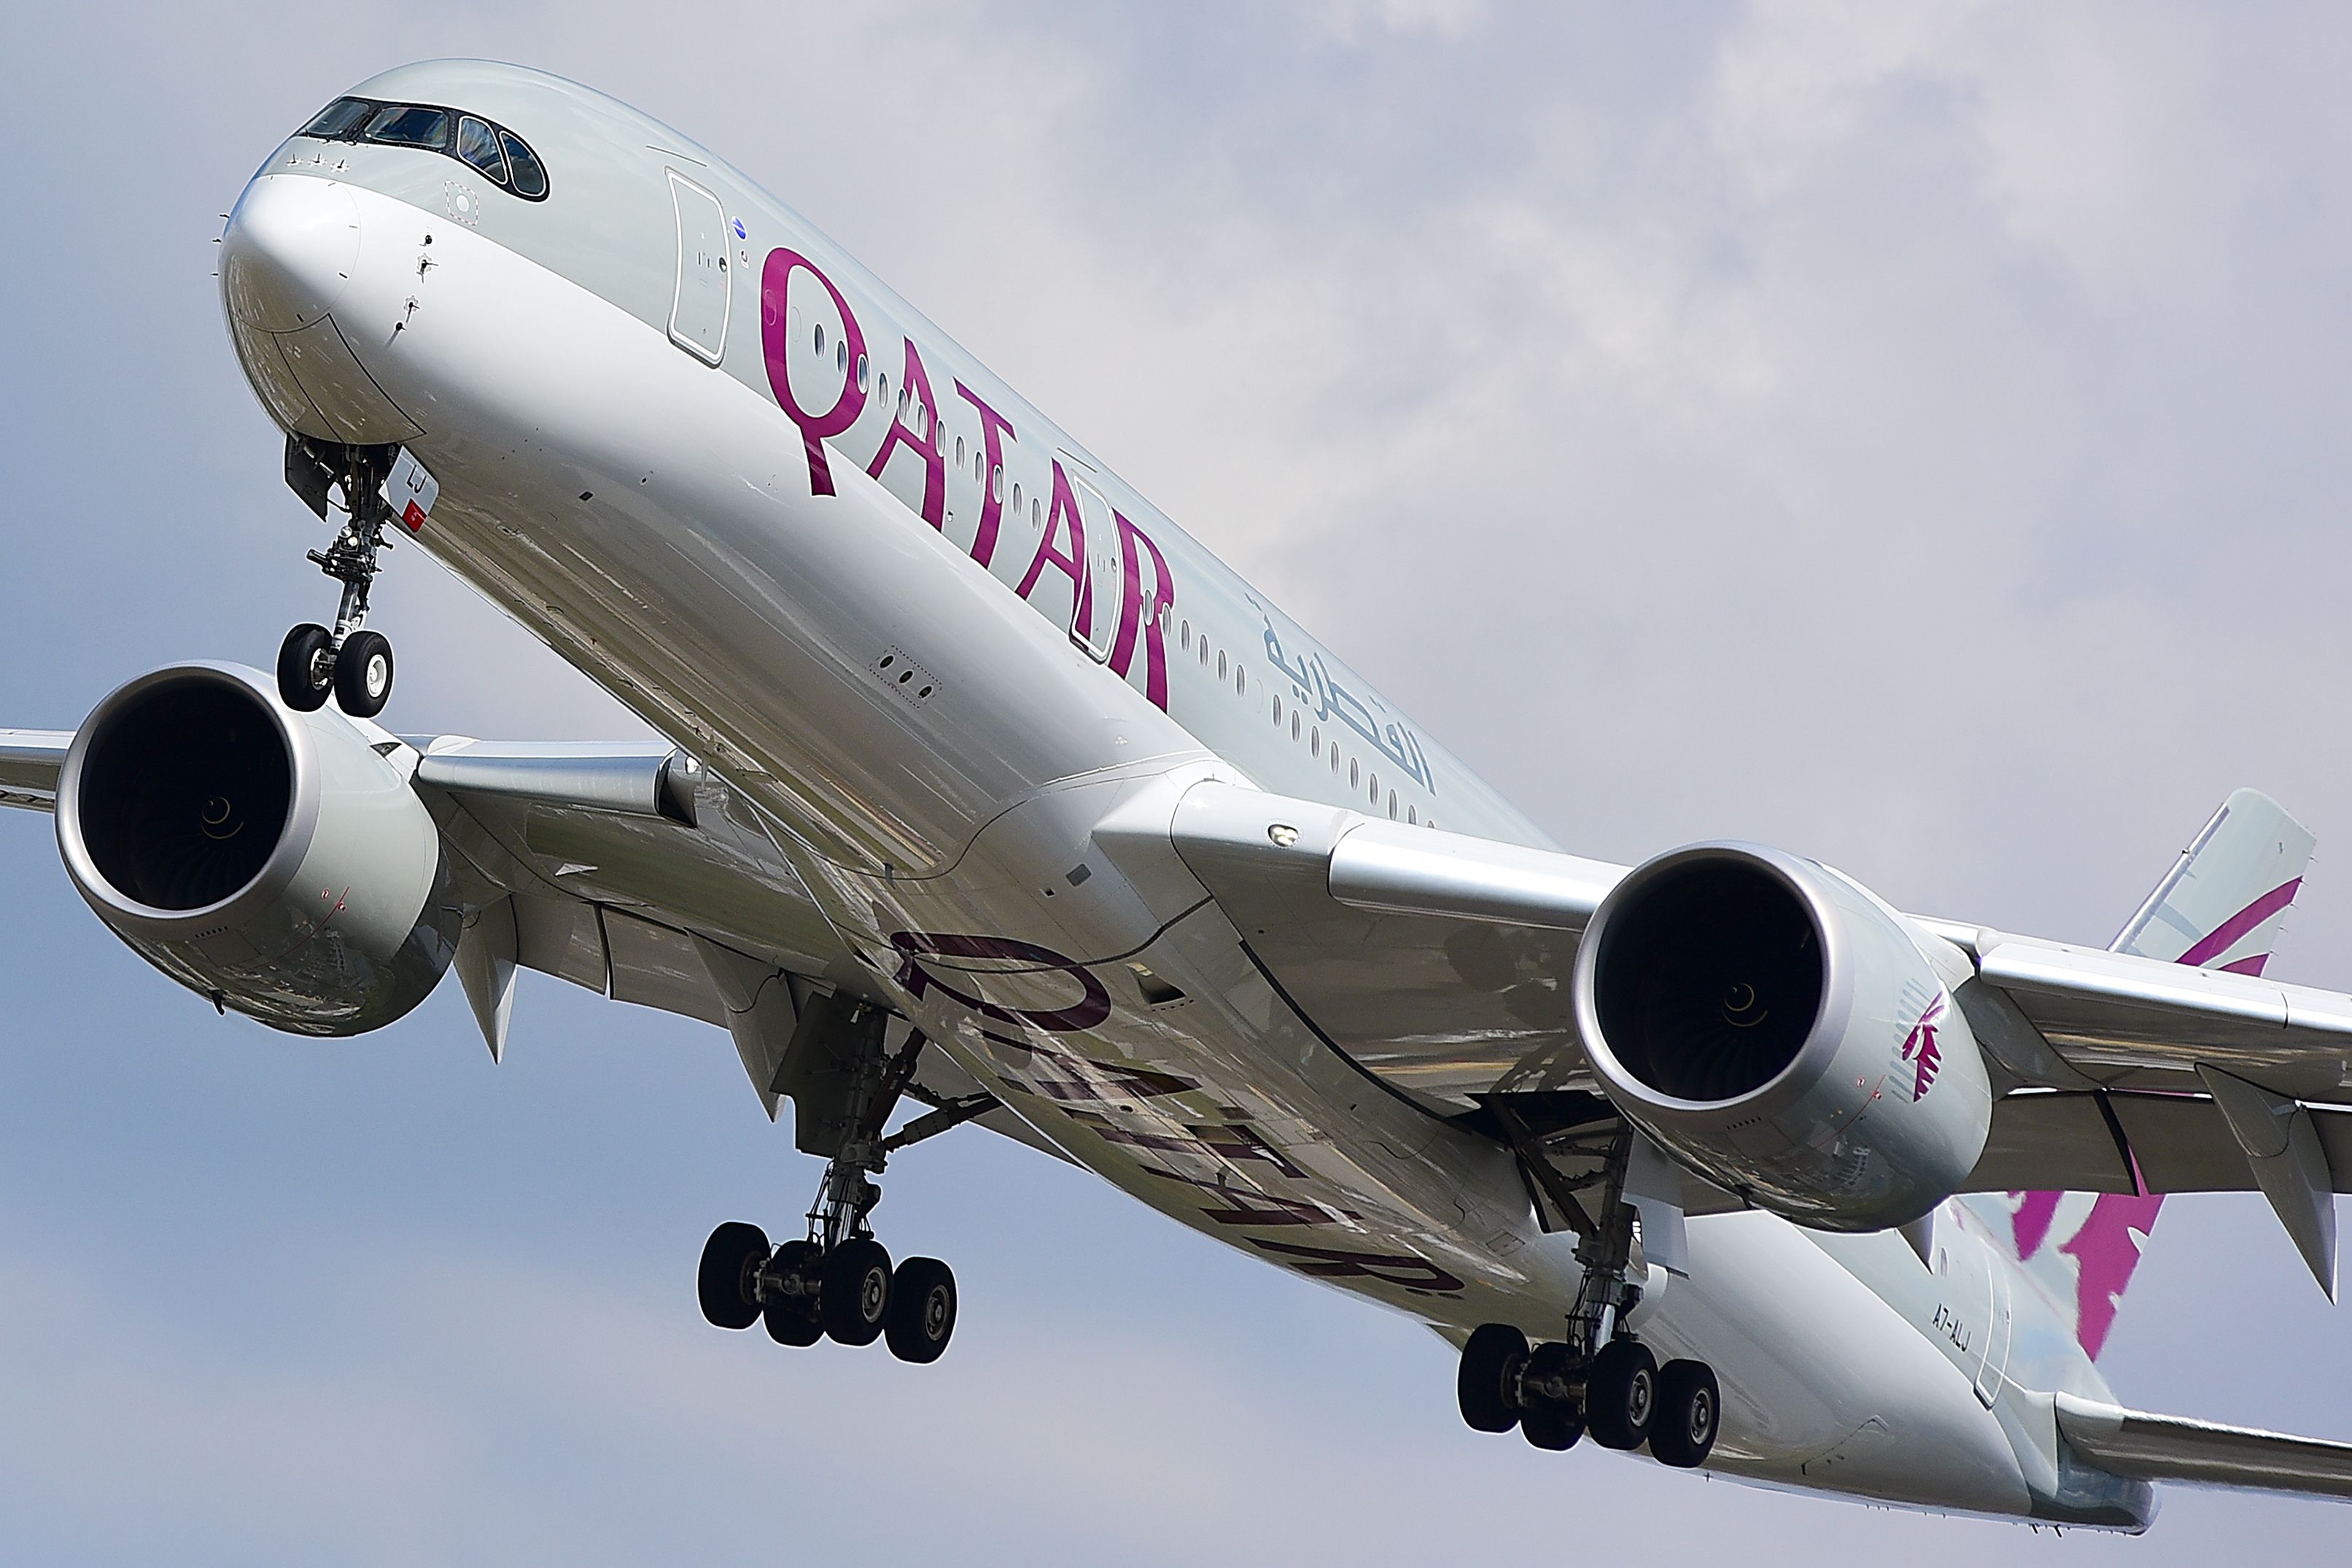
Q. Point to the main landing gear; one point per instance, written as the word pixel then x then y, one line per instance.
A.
pixel 350 663
pixel 1599 1380
pixel 837 1281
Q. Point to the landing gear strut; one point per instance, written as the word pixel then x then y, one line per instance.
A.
pixel 350 663
pixel 837 1281
pixel 1598 1378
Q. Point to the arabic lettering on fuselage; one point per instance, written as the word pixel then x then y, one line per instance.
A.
pixel 1311 678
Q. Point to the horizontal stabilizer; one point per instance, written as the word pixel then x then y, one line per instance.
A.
pixel 2202 1453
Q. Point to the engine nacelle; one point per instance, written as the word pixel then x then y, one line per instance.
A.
pixel 1783 1032
pixel 269 859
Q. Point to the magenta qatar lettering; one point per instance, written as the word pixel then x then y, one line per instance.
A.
pixel 775 344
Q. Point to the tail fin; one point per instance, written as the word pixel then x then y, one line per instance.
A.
pixel 2222 906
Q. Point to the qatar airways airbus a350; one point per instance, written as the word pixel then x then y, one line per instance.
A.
pixel 992 791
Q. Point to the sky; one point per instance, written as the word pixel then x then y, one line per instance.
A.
pixel 1912 436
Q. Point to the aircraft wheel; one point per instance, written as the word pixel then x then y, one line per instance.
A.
pixel 792 1318
pixel 1553 1426
pixel 1486 1383
pixel 306 667
pixel 724 1282
pixel 1621 1394
pixel 922 1309
pixel 1690 1406
pixel 363 674
pixel 857 1293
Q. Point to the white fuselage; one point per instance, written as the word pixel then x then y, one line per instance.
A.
pixel 961 714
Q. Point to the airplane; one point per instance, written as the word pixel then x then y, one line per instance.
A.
pixel 989 796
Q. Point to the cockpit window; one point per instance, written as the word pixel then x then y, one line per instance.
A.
pixel 529 178
pixel 340 119
pixel 410 125
pixel 479 144
pixel 489 150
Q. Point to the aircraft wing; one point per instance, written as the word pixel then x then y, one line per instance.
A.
pixel 626 869
pixel 619 867
pixel 1440 964
pixel 30 762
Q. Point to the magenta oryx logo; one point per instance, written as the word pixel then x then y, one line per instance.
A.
pixel 1919 1048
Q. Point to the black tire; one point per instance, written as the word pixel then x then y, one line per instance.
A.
pixel 724 1281
pixel 1553 1427
pixel 923 1310
pixel 1690 1411
pixel 1621 1394
pixel 305 675
pixel 363 674
pixel 856 1294
pixel 791 1319
pixel 1485 1383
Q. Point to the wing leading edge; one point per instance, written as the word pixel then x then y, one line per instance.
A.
pixel 1440 964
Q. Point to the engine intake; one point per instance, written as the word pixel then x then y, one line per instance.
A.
pixel 271 859
pixel 1783 1033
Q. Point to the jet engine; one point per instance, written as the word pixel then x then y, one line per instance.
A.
pixel 274 861
pixel 1778 1030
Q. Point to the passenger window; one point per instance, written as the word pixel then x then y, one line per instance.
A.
pixel 1241 681
pixel 1016 495
pixel 1412 816
pixel 959 451
pixel 410 125
pixel 1294 723
pixel 478 145
pixel 1376 789
pixel 1188 636
pixel 524 167
pixel 1393 804
pixel 1355 775
pixel 820 340
pixel 340 120
pixel 861 372
pixel 1204 650
pixel 996 482
pixel 841 355
pixel 1221 667
pixel 1314 737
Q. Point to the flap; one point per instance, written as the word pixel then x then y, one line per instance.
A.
pixel 2181 1143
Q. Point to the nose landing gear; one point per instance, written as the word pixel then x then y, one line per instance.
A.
pixel 350 663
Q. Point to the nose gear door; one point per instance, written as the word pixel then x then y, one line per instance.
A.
pixel 698 316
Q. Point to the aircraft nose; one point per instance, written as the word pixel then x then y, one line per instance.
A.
pixel 289 250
